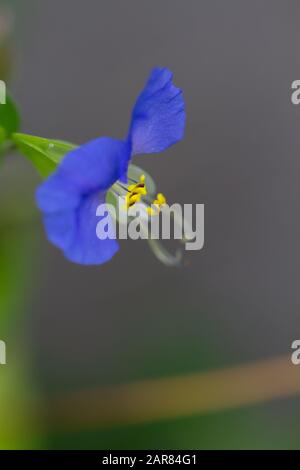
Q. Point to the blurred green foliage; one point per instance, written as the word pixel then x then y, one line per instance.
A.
pixel 250 428
pixel 17 413
pixel 18 421
pixel 9 119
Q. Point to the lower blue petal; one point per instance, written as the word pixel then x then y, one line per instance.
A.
pixel 57 194
pixel 69 199
pixel 86 247
pixel 61 228
pixel 96 165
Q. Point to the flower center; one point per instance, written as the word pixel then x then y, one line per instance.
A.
pixel 135 192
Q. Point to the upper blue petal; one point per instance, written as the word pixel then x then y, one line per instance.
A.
pixel 74 232
pixel 158 117
pixel 97 164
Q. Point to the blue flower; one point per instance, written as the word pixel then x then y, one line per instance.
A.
pixel 70 196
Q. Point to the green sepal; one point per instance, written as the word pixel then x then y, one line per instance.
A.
pixel 44 154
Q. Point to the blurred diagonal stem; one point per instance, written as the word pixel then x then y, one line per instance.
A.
pixel 154 400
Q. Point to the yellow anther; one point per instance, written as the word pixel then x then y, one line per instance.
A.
pixel 132 199
pixel 151 211
pixel 136 191
pixel 160 199
pixel 156 204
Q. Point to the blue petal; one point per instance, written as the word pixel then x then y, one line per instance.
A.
pixel 97 164
pixel 61 228
pixel 93 166
pixel 158 117
pixel 74 232
pixel 86 247
pixel 70 197
pixel 57 193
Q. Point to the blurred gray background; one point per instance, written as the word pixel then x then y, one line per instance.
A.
pixel 80 65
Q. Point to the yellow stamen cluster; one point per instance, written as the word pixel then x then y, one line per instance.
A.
pixel 136 191
pixel 139 189
pixel 157 204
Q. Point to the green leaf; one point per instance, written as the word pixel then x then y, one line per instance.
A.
pixel 9 119
pixel 44 154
